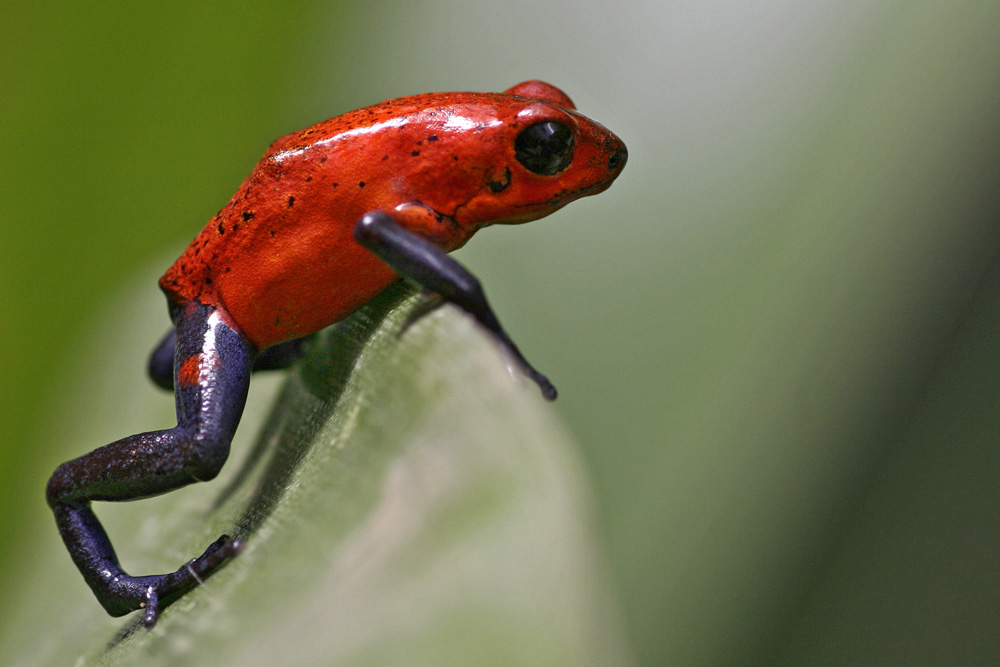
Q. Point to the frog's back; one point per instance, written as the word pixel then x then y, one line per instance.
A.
pixel 280 257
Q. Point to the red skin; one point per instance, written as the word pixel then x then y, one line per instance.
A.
pixel 280 258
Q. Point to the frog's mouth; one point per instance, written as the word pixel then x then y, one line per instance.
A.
pixel 594 189
pixel 560 199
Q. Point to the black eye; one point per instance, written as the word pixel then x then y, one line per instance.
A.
pixel 544 148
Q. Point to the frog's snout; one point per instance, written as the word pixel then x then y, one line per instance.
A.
pixel 617 159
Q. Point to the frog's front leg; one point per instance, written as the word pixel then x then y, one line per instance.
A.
pixel 416 258
pixel 212 373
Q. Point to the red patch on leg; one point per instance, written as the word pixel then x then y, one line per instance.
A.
pixel 190 371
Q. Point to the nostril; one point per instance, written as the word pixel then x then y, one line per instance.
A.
pixel 617 160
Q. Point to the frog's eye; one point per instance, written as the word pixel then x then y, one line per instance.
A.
pixel 544 148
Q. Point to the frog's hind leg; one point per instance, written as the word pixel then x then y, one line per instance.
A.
pixel 212 372
pixel 282 355
pixel 161 361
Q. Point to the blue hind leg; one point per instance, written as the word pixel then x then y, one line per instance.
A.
pixel 212 372
pixel 161 361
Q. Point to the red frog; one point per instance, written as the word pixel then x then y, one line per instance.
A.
pixel 329 217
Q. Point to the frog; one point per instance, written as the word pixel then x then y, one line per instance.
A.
pixel 329 218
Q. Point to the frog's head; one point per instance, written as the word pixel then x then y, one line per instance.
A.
pixel 545 154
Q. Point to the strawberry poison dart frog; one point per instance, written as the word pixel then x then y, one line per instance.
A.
pixel 328 218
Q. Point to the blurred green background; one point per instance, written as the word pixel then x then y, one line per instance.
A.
pixel 776 337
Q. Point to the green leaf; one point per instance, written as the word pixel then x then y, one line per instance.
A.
pixel 409 500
